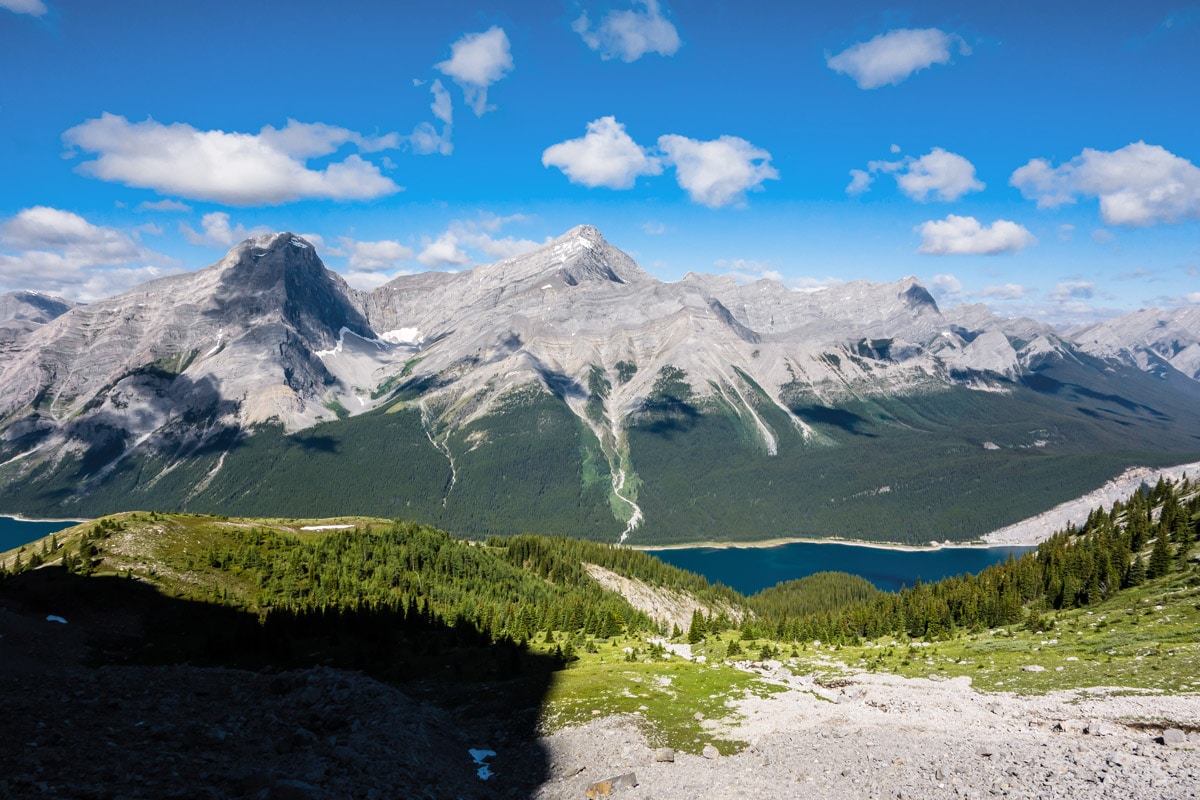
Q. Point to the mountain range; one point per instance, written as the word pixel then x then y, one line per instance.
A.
pixel 569 391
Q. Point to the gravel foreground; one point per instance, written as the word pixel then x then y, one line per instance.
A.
pixel 884 736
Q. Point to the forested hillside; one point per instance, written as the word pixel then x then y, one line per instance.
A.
pixel 1151 535
pixel 393 578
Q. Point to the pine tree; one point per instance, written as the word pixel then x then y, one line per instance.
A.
pixel 1183 541
pixel 1136 575
pixel 697 629
pixel 1160 557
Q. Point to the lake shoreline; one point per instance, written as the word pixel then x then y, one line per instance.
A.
pixel 1029 532
pixel 22 518
pixel 768 543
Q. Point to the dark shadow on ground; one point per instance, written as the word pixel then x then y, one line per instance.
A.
pixel 486 694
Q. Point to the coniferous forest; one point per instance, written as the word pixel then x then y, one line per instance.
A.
pixel 527 588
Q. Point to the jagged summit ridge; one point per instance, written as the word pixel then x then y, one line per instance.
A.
pixel 190 363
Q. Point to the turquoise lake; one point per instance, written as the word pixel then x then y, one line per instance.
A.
pixel 747 569
pixel 16 532
pixel 752 569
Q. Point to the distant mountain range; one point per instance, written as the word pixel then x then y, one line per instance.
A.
pixel 568 391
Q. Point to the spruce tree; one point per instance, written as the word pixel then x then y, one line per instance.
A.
pixel 1160 557
pixel 1183 541
pixel 1136 575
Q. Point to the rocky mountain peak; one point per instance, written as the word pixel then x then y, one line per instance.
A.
pixel 32 307
pixel 281 272
pixel 581 256
pixel 917 295
pixel 265 259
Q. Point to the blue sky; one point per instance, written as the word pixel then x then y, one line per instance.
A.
pixel 1038 157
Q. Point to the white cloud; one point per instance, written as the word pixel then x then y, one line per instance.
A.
pixel 745 270
pixel 44 228
pixel 894 149
pixel 163 205
pixel 945 175
pixel 233 168
pixel 425 139
pixel 315 239
pixel 1007 291
pixel 378 256
pixel 891 57
pixel 305 140
pixel 1103 236
pixel 444 252
pixel 1139 184
pixel 629 35
pixel 718 172
pixel 1073 290
pixel 654 228
pixel 860 181
pixel 957 235
pixel 61 253
pixel 35 8
pixel 946 285
pixel 605 156
pixel 1065 232
pixel 477 234
pixel 477 60
pixel 217 232
pixel 367 281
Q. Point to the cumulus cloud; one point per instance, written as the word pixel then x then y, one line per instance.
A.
pixel 215 231
pixel 939 173
pixel 444 252
pixel 477 60
pixel 477 235
pixel 1139 184
pixel 34 8
pixel 60 252
pixel 463 243
pixel 957 235
pixel 426 139
pixel 315 239
pixel 946 285
pixel 630 34
pixel 239 169
pixel 378 256
pixel 891 57
pixel 605 156
pixel 1073 290
pixel 860 181
pixel 719 172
